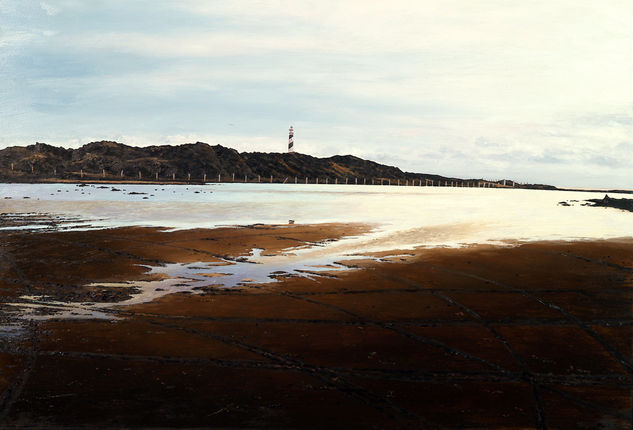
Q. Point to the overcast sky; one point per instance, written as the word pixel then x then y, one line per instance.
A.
pixel 537 91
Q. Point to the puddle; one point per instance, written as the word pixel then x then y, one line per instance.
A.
pixel 43 308
pixel 41 222
pixel 11 331
pixel 192 278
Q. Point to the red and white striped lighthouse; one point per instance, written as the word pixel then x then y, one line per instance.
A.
pixel 291 140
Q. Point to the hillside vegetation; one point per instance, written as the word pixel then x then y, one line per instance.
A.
pixel 112 160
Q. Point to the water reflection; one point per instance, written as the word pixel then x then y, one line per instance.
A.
pixel 191 278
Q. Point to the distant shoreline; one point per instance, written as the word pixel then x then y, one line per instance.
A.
pixel 595 190
pixel 276 181
pixel 104 181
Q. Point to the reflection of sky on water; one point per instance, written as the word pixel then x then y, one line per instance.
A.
pixel 405 216
pixel 193 278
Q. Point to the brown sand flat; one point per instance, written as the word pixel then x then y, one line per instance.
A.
pixel 539 335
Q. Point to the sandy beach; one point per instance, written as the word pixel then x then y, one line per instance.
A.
pixel 534 335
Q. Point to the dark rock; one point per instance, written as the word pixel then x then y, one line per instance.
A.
pixel 609 202
pixel 197 159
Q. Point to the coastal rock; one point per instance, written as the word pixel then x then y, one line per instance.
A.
pixel 115 161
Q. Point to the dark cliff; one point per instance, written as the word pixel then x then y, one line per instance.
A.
pixel 112 160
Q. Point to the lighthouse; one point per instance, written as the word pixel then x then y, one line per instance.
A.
pixel 291 140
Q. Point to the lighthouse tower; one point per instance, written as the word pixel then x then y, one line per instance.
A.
pixel 291 140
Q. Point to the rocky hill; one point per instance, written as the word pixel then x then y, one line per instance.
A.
pixel 116 161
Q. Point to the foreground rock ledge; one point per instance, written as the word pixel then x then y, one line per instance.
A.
pixel 526 337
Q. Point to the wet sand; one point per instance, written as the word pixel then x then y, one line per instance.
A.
pixel 538 335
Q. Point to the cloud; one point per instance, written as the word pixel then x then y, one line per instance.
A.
pixel 49 9
pixel 462 88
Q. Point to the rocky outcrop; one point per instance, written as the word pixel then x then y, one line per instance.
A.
pixel 610 202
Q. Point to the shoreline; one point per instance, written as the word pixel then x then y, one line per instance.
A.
pixel 279 181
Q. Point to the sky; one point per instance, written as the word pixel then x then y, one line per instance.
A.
pixel 538 91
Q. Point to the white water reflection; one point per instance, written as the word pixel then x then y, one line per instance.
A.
pixel 191 278
pixel 405 216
